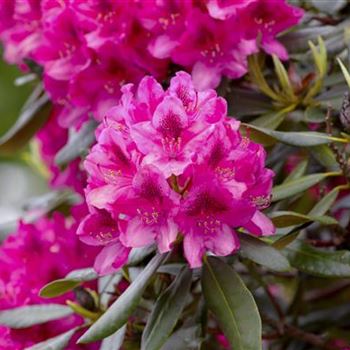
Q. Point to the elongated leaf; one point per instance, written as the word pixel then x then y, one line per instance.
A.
pixel 283 78
pixel 344 71
pixel 77 144
pixel 298 172
pixel 324 156
pixel 325 203
pixel 138 254
pixel 87 274
pixel 263 254
pixel 318 262
pixel 26 316
pixel 32 117
pixel 71 281
pixel 294 187
pixel 166 312
pixel 57 343
pixel 185 338
pixel 58 287
pixel 114 341
pixel 297 138
pixel 117 315
pixel 289 218
pixel 232 303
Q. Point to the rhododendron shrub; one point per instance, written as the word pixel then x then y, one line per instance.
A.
pixel 171 165
pixel 189 164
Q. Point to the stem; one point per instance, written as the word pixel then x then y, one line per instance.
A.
pixel 297 333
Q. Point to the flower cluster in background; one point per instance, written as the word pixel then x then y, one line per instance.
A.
pixel 33 256
pixel 89 49
pixel 171 162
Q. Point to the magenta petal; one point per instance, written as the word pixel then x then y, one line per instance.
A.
pixel 260 225
pixel 137 234
pixel 111 258
pixel 224 242
pixel 205 77
pixel 162 47
pixel 276 48
pixel 167 236
pixel 193 249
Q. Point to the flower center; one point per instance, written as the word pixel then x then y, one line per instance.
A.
pixel 148 217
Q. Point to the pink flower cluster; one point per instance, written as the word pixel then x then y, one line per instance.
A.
pixel 170 165
pixel 30 258
pixel 89 49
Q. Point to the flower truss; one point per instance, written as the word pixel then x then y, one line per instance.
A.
pixel 171 165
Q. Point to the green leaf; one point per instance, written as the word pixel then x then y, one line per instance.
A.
pixel 345 71
pixel 318 262
pixel 117 315
pixel 31 118
pixel 87 274
pixel 271 120
pixel 325 203
pixel 58 287
pixel 297 138
pixel 329 7
pixel 263 253
pixel 283 78
pixel 297 172
pixel 325 156
pixel 290 218
pixel 59 342
pixel 71 281
pixel 138 254
pixel 114 341
pixel 78 143
pixel 232 303
pixel 294 187
pixel 166 312
pixel 185 338
pixel 27 316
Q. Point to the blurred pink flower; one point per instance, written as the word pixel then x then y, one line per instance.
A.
pixel 30 258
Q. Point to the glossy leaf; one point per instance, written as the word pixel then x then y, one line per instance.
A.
pixel 87 274
pixel 298 172
pixel 297 138
pixel 78 143
pixel 114 341
pixel 318 262
pixel 58 287
pixel 263 253
pixel 289 218
pixel 166 312
pixel 297 186
pixel 117 314
pixel 26 316
pixel 31 118
pixel 325 203
pixel 233 305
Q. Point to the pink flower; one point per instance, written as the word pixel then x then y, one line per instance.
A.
pixel 206 48
pixel 171 164
pixel 99 229
pixel 150 206
pixel 207 216
pixel 51 247
pixel 267 19
pixel 223 9
pixel 20 29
